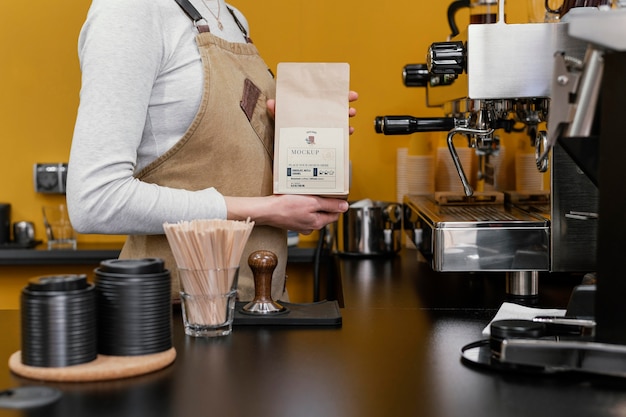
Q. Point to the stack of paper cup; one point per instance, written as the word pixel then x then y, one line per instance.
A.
pixel 527 177
pixel 447 176
pixel 415 174
pixel 420 174
pixel 402 184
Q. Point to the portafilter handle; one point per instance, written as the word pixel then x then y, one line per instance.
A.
pixel 262 263
pixel 405 125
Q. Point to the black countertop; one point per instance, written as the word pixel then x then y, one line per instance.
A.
pixel 86 254
pixel 93 253
pixel 396 353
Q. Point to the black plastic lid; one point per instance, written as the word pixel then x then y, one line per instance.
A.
pixel 58 283
pixel 517 329
pixel 132 266
pixel 29 397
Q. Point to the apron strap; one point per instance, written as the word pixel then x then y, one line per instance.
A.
pixel 241 28
pixel 198 21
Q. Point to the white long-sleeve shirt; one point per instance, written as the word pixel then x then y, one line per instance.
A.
pixel 141 88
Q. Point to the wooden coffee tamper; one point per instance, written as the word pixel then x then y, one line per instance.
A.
pixel 262 263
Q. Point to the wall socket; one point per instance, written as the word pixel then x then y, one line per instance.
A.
pixel 50 178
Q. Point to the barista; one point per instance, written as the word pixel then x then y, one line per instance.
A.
pixel 162 136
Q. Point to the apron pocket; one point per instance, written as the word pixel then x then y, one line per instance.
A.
pixel 254 105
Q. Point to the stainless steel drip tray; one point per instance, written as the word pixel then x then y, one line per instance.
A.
pixel 477 237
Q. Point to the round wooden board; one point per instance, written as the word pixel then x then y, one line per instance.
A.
pixel 101 369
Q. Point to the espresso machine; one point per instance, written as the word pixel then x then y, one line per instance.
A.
pixel 563 84
pixel 493 78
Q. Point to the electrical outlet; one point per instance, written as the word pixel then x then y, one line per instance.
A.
pixel 50 178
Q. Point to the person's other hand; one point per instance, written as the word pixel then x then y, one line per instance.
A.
pixel 352 96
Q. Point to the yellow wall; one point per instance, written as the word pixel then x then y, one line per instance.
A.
pixel 40 80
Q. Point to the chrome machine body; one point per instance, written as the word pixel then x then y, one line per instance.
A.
pixel 496 77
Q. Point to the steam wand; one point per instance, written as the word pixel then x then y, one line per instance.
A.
pixel 469 191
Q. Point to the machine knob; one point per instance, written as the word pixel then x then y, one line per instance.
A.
pixel 416 75
pixel 446 58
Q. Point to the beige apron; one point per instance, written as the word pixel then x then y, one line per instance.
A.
pixel 229 146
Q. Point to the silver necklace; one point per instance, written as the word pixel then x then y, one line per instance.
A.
pixel 217 17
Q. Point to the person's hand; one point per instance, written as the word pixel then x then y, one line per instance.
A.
pixel 300 213
pixel 352 96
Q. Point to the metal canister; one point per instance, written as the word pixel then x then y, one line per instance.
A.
pixel 23 232
pixel 370 228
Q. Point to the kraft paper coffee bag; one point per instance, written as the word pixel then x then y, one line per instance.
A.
pixel 311 150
